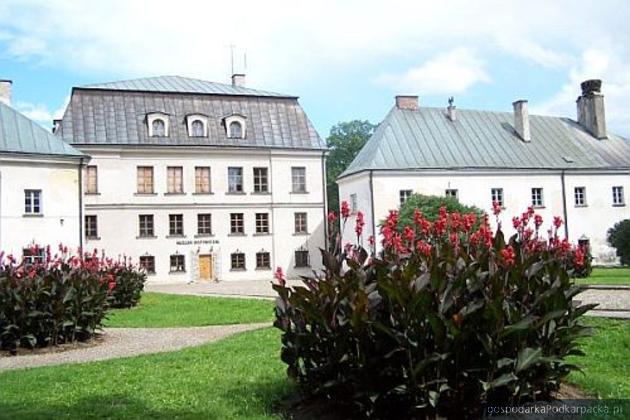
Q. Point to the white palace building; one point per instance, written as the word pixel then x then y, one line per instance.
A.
pixel 199 180
pixel 574 169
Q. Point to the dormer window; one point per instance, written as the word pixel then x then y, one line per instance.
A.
pixel 235 126
pixel 197 125
pixel 158 124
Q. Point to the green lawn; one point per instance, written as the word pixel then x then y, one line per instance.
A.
pixel 606 368
pixel 238 377
pixel 610 276
pixel 163 310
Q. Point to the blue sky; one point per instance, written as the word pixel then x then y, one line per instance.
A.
pixel 345 60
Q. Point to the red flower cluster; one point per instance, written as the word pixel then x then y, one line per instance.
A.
pixel 345 210
pixel 508 255
pixel 332 217
pixel 359 223
pixel 279 276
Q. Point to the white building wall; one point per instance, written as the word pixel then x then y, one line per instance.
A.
pixel 59 221
pixel 118 206
pixel 474 188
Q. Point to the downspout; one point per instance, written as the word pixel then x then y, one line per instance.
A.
pixel 325 197
pixel 372 208
pixel 273 213
pixel 81 205
pixel 564 206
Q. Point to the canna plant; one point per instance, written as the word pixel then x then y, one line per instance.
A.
pixel 58 299
pixel 448 316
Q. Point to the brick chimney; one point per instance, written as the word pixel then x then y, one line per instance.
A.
pixel 590 108
pixel 521 120
pixel 5 91
pixel 238 79
pixel 407 102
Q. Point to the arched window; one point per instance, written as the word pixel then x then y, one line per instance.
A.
pixel 196 129
pixel 236 130
pixel 158 128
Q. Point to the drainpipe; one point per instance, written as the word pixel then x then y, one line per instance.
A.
pixel 81 204
pixel 325 197
pixel 372 208
pixel 564 206
pixel 272 204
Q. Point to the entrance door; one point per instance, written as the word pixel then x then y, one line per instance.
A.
pixel 205 267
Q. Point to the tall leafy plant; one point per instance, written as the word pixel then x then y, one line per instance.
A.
pixel 449 316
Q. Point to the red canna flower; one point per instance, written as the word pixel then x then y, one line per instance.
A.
pixel 557 222
pixel 508 256
pixel 359 223
pixel 279 275
pixel 332 217
pixel 345 209
pixel 538 221
pixel 496 208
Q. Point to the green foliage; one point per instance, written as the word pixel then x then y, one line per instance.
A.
pixel 619 238
pixel 129 286
pixel 444 320
pixel 430 206
pixel 345 141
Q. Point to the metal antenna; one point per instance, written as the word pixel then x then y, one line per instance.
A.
pixel 245 61
pixel 232 57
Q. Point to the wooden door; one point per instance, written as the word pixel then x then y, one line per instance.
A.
pixel 205 267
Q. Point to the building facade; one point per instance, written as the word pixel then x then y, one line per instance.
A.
pixel 40 185
pixel 572 169
pixel 199 180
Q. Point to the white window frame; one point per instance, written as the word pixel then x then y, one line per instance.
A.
pixel 89 226
pixel 535 199
pixel 238 119
pixel 30 196
pixel 403 196
pixel 298 180
pixel 158 116
pixel 579 196
pixel 176 267
pixel 190 119
pixel 300 223
pixel 618 196
pixel 496 194
pixel 354 204
pixel 91 179
pixel 452 192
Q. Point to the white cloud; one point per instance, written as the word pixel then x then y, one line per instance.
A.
pixel 41 113
pixel 450 72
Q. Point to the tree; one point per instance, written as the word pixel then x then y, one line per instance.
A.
pixel 345 141
pixel 619 238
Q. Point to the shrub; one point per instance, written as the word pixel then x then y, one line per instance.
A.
pixel 430 206
pixel 128 287
pixel 619 238
pixel 445 319
pixel 61 298
pixel 58 300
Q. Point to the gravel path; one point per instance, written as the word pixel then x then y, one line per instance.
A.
pixel 124 342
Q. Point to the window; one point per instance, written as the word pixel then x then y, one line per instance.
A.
pixel 197 129
pixel 202 180
pixel 158 128
pixel 618 199
pixel 237 224
pixel 145 179
pixel 33 255
pixel 236 130
pixel 238 261
pixel 235 180
pixel 91 229
pixel 301 258
pixel 158 124
pixel 175 180
pixel 148 263
pixel 298 179
pixel 261 182
pixel 496 194
pixel 33 201
pixel 91 180
pixel 354 205
pixel 177 263
pixel 146 225
pixel 176 224
pixel 262 260
pixel 537 197
pixel 300 223
pixel 404 195
pixel 580 196
pixel 262 223
pixel 451 193
pixel 204 224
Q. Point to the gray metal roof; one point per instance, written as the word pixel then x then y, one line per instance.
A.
pixel 19 134
pixel 178 84
pixel 118 117
pixel 427 139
